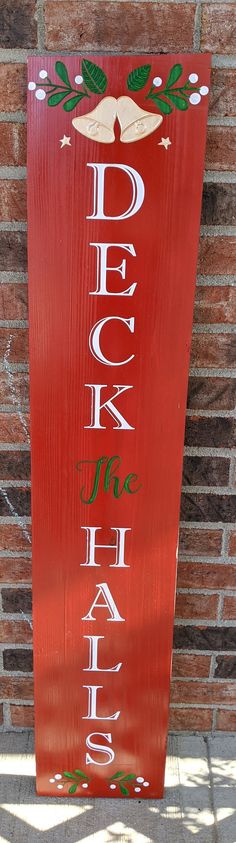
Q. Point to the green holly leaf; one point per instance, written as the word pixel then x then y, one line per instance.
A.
pixel 138 77
pixel 124 790
pixel 117 775
pixel 55 99
pixel 79 773
pixel 69 776
pixel 179 102
pixel 174 75
pixel 61 71
pixel 128 778
pixel 94 77
pixel 72 789
pixel 163 106
pixel 73 102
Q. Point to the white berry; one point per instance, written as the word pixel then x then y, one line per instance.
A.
pixel 145 784
pixel 78 79
pixel 137 789
pixel 193 77
pixel 52 781
pixel 157 81
pixel 58 776
pixel 204 90
pixel 43 74
pixel 195 99
pixel 59 786
pixel 84 784
pixel 112 786
pixel 40 94
pixel 140 779
pixel 31 86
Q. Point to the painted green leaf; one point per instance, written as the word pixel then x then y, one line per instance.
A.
pixel 163 106
pixel 79 773
pixel 72 789
pixel 55 99
pixel 61 71
pixel 174 75
pixel 94 77
pixel 138 77
pixel 72 102
pixel 69 776
pixel 117 775
pixel 128 778
pixel 124 790
pixel 179 102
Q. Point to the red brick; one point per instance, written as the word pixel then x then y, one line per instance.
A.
pixel 18 338
pixel 217 256
pixel 213 350
pixel 13 251
pixel 200 542
pixel 14 465
pixel 22 715
pixel 13 87
pixel 201 575
pixel 212 393
pixel 214 638
pixel 194 507
pixel 226 721
pixel 16 389
pixel 18 24
pixel 17 501
pixel 229 608
pixel 217 29
pixel 210 431
pixel 118 26
pixel 17 600
pixel 16 687
pixel 232 544
pixel 13 200
pixel 15 570
pixel 193 719
pixel 196 606
pixel 204 693
pixel 13 297
pixel 215 305
pixel 1 714
pixel 18 659
pixel 14 429
pixel 202 471
pixel 12 144
pixel 15 632
pixel 221 148
pixel 12 537
pixel 225 667
pixel 218 204
pixel 222 92
pixel 191 666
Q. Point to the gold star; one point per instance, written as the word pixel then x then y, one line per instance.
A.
pixel 65 141
pixel 165 142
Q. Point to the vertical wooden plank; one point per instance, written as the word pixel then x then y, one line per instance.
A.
pixel 110 334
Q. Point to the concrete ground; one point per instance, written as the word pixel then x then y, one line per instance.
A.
pixel 199 804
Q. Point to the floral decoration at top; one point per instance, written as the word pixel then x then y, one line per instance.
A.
pixel 135 122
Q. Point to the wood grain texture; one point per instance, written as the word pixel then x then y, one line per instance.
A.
pixel 62 274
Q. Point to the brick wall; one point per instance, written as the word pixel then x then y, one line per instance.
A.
pixel 204 665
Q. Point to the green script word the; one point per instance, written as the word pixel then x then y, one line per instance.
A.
pixel 110 480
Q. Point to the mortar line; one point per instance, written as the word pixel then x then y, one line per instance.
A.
pixel 197 28
pixel 41 25
pixel 211 795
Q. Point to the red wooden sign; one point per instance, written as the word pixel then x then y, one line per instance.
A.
pixel 115 163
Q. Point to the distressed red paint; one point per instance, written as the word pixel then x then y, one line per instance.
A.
pixel 113 477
